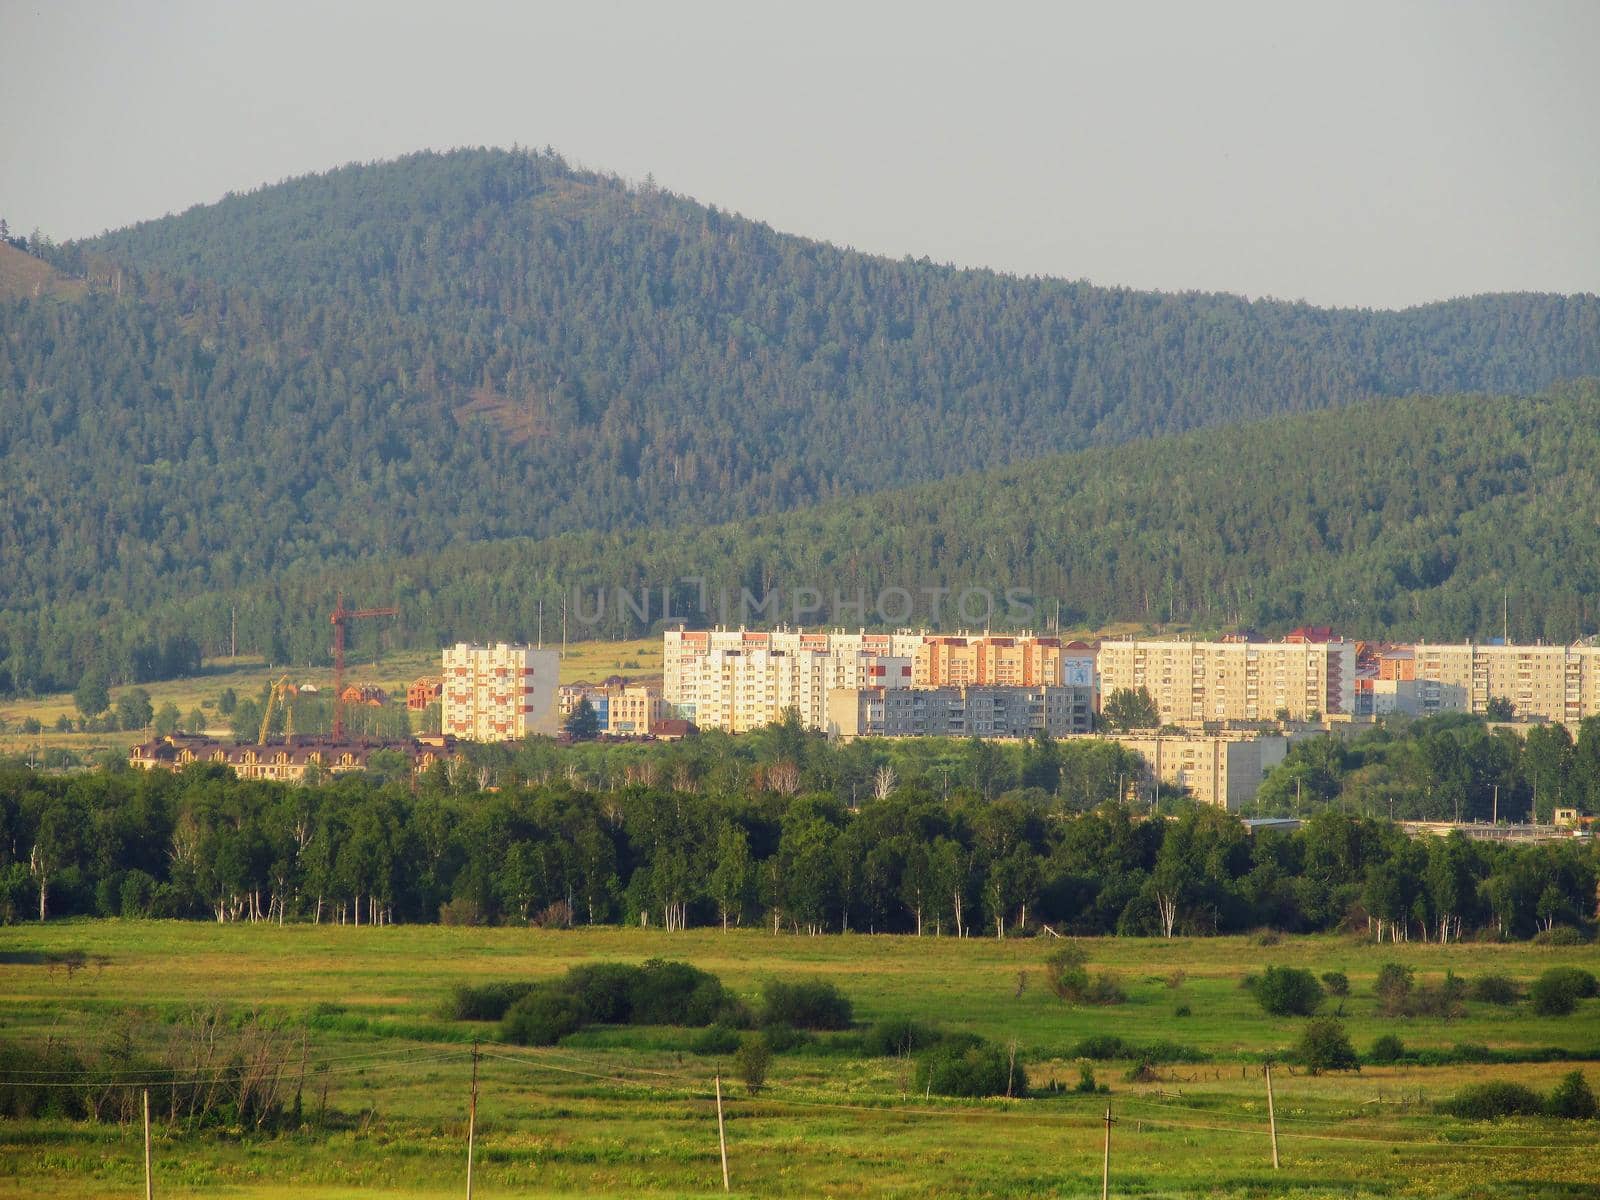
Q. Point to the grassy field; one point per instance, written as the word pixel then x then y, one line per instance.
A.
pixel 623 1112
pixel 248 676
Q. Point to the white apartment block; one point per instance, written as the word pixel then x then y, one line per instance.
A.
pixel 739 680
pixel 1224 769
pixel 960 711
pixel 1194 683
pixel 1552 683
pixel 499 693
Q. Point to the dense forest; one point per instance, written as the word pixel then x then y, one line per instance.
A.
pixel 782 830
pixel 1410 518
pixel 394 360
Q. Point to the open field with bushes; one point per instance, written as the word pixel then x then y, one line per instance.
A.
pixel 627 1109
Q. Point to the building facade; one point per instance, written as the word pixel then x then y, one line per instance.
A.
pixel 1224 770
pixel 621 709
pixel 956 660
pixel 1195 683
pixel 1549 683
pixel 985 712
pixel 499 693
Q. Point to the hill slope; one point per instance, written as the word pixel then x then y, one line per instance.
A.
pixel 390 359
pixel 1405 517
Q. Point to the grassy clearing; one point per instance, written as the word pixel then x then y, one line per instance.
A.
pixel 626 1111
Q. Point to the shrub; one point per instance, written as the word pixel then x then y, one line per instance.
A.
pixel 806 1004
pixel 1557 992
pixel 1288 991
pixel 894 1036
pixel 1324 1046
pixel 1495 989
pixel 962 1064
pixel 543 1017
pixel 783 1038
pixel 1268 937
pixel 485 1002
pixel 1572 1098
pixel 605 991
pixel 674 993
pixel 1337 983
pixel 1181 1011
pixel 1175 980
pixel 460 911
pixel 1102 1046
pixel 1560 935
pixel 1387 1049
pixel 1489 1101
pixel 716 1039
pixel 751 1060
pixel 1086 1084
pixel 1439 1000
pixel 1065 973
pixel 1393 988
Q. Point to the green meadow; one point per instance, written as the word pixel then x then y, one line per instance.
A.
pixel 628 1111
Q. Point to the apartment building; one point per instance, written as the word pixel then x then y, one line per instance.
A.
pixel 956 660
pixel 499 693
pixel 620 708
pixel 1551 683
pixel 1224 769
pixel 1195 683
pixel 986 712
pixel 740 680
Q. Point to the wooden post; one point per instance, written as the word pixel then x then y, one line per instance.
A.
pixel 722 1136
pixel 1105 1165
pixel 1272 1119
pixel 149 1179
pixel 472 1118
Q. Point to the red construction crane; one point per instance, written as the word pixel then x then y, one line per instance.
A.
pixel 340 615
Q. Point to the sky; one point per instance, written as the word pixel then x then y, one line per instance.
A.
pixel 1367 154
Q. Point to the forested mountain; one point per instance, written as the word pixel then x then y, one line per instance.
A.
pixel 1410 518
pixel 390 360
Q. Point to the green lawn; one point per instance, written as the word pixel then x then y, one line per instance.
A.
pixel 628 1112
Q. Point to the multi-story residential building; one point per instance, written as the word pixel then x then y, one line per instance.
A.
pixel 423 692
pixel 620 708
pixel 1551 683
pixel 953 660
pixel 987 712
pixel 1223 769
pixel 499 693
pixel 1195 683
pixel 740 680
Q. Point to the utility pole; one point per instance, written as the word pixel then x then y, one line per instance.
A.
pixel 1105 1163
pixel 149 1179
pixel 1272 1118
pixel 233 633
pixel 472 1118
pixel 1497 804
pixel 722 1136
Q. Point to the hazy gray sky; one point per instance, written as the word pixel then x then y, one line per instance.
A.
pixel 1376 154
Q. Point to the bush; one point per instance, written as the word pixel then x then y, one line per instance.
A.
pixel 962 1064
pixel 674 993
pixel 895 1036
pixel 1560 935
pixel 1065 973
pixel 1181 1011
pixel 605 991
pixel 1086 1084
pixel 1337 983
pixel 1102 1046
pixel 1495 989
pixel 1324 1046
pixel 783 1038
pixel 1489 1101
pixel 1439 1000
pixel 486 1002
pixel 1387 1049
pixel 716 1039
pixel 1572 1098
pixel 1288 992
pixel 543 1017
pixel 751 1060
pixel 1557 992
pixel 1393 988
pixel 806 1004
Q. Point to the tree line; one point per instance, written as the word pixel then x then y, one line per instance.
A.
pixel 752 834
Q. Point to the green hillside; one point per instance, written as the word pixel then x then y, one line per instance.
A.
pixel 1410 518
pixel 388 362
